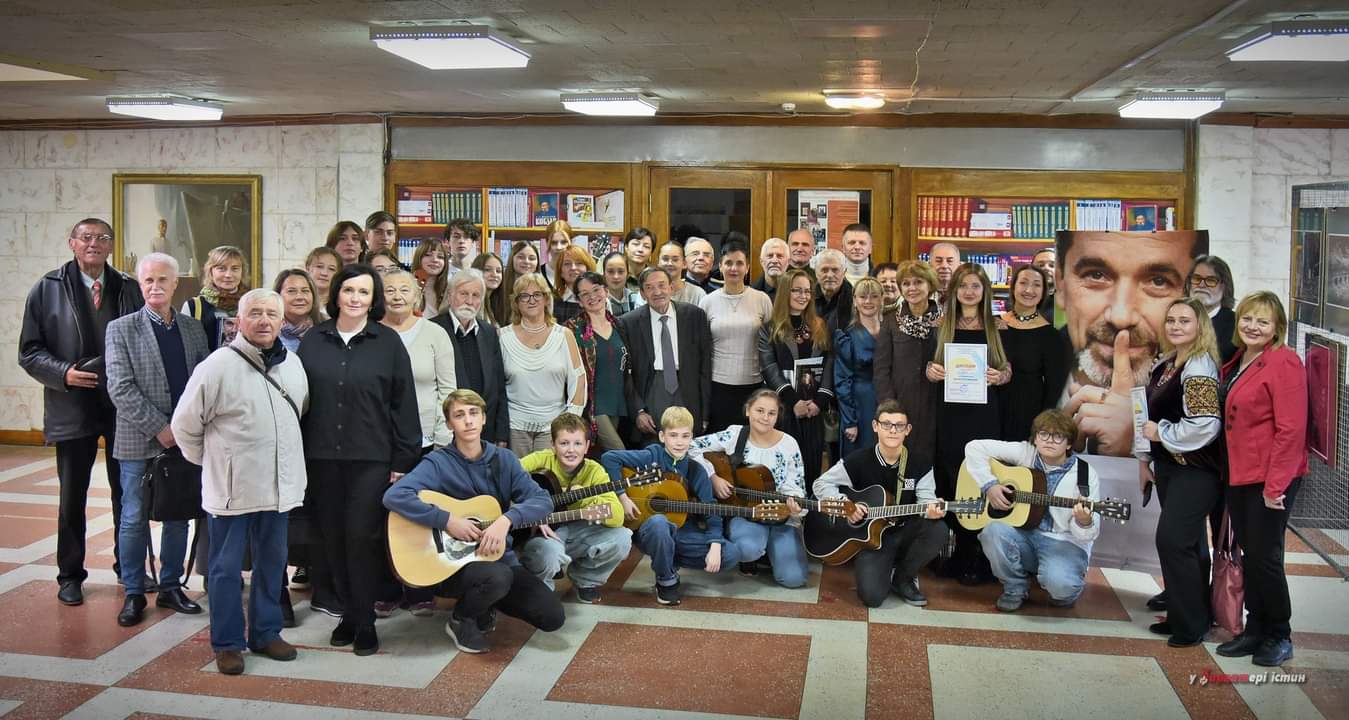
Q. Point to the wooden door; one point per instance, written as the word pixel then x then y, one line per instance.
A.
pixel 715 201
pixel 873 188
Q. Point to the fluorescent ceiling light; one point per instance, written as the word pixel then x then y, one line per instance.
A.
pixel 449 47
pixel 165 107
pixel 1171 105
pixel 854 100
pixel 612 104
pixel 1307 41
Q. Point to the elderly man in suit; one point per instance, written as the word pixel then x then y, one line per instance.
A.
pixel 61 346
pixel 150 355
pixel 670 355
pixel 477 351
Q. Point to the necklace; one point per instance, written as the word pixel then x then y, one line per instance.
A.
pixel 533 330
pixel 1026 318
pixel 968 323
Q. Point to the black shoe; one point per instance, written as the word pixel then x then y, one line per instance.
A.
pixel 330 610
pixel 1157 603
pixel 287 610
pixel 1273 653
pixel 749 569
pixel 133 610
pixel 588 595
pixel 178 601
pixel 1160 628
pixel 343 635
pixel 71 593
pixel 1177 641
pixel 668 594
pixel 366 641
pixel 907 590
pixel 300 580
pixel 1241 645
pixel 487 622
pixel 467 635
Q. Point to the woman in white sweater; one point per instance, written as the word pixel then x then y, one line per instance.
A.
pixel 735 313
pixel 544 373
pixel 430 350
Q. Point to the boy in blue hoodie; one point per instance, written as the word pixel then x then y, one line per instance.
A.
pixel 701 542
pixel 467 468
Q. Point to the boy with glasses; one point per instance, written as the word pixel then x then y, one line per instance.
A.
pixel 1056 552
pixel 905 549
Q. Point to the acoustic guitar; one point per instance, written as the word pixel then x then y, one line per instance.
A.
pixel 424 556
pixel 835 541
pixel 1030 498
pixel 562 498
pixel 755 484
pixel 669 498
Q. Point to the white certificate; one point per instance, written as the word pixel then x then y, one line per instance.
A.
pixel 1139 397
pixel 966 378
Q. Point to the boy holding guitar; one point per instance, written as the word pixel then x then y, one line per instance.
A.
pixel 698 543
pixel 1056 551
pixel 905 550
pixel 467 468
pixel 590 552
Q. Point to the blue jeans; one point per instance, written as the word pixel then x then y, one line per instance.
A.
pixel 782 543
pixel 670 548
pixel 264 534
pixel 133 534
pixel 1017 554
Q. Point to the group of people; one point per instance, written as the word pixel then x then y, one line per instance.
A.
pixel 355 382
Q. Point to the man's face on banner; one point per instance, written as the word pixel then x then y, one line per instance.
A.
pixel 1112 282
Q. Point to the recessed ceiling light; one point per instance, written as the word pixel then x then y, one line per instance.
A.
pixel 1171 105
pixel 165 107
pixel 612 104
pixel 854 100
pixel 449 47
pixel 1295 41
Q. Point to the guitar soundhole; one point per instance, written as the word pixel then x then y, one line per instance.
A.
pixel 996 513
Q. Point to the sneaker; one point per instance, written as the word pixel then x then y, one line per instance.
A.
pixel 467 636
pixel 385 608
pixel 1241 646
pixel 1008 602
pixel 330 610
pixel 1273 653
pixel 488 622
pixel 300 580
pixel 423 609
pixel 588 595
pixel 907 590
pixel 749 569
pixel 668 594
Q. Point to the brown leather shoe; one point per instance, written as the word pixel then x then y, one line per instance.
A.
pixel 230 662
pixel 277 649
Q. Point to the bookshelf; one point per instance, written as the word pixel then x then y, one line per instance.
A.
pixel 1001 218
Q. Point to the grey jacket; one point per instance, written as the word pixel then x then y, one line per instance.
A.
pixel 137 382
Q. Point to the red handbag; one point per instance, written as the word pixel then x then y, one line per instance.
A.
pixel 1228 583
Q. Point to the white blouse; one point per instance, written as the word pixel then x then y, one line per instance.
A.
pixel 541 384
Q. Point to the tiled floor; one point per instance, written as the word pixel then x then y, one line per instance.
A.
pixel 737 647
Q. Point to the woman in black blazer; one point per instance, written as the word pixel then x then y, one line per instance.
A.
pixel 361 432
pixel 793 333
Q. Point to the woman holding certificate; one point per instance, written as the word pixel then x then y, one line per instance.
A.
pixel 968 360
pixel 796 362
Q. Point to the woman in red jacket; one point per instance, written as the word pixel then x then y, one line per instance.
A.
pixel 1264 397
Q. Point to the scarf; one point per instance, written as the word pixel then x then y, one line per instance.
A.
pixel 289 330
pixel 227 303
pixel 918 327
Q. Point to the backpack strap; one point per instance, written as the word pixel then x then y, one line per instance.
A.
pixel 738 457
pixel 194 307
pixel 1083 483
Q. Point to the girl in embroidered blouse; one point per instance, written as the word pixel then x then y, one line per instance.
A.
pixel 1183 425
pixel 779 452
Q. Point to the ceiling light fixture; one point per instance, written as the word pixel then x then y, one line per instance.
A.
pixel 1175 105
pixel 610 104
pixel 853 100
pixel 1295 41
pixel 449 47
pixel 165 107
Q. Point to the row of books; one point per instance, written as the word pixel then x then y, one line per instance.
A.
pixel 1102 214
pixel 945 216
pixel 1039 220
pixel 508 206
pixel 426 207
pixel 997 266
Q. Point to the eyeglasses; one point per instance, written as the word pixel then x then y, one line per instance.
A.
pixel 88 238
pixel 892 426
pixel 1201 281
pixel 1051 437
pixel 531 297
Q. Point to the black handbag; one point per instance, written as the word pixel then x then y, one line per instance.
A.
pixel 172 488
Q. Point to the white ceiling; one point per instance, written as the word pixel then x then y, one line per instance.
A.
pixel 703 56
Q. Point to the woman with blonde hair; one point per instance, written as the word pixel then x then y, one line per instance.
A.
pixel 906 341
pixel 1184 422
pixel 322 263
pixel 545 376
pixel 968 320
pixel 793 333
pixel 571 262
pixel 431 270
pixel 855 351
pixel 495 303
pixel 224 279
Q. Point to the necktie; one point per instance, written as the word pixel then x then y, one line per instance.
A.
pixel 667 356
pixel 97 289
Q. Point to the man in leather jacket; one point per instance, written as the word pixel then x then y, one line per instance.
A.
pixel 61 346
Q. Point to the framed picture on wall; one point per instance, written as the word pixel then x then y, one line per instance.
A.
pixel 1335 272
pixel 1323 360
pixel 187 216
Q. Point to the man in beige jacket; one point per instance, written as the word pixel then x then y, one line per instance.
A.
pixel 239 418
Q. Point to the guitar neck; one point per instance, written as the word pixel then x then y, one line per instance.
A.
pixel 806 503
pixel 564 499
pixel 698 508
pixel 557 518
pixel 892 511
pixel 1032 498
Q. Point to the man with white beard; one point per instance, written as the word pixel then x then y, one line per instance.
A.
pixel 1211 282
pixel 477 350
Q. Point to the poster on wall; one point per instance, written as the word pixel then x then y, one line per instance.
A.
pixel 826 212
pixel 1335 269
pixel 1098 271
pixel 1322 360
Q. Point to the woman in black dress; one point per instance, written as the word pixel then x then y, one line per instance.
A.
pixel 1038 352
pixel 907 339
pixel 795 333
pixel 969 319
